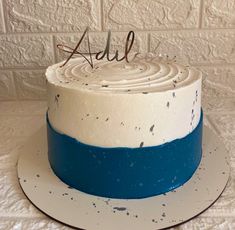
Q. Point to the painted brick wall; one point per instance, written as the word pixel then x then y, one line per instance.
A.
pixel 199 32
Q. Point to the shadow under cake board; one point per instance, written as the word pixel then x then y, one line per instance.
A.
pixel 83 211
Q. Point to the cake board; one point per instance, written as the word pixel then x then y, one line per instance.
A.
pixel 77 209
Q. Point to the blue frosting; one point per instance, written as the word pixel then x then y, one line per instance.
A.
pixel 124 172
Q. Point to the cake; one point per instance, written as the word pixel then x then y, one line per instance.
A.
pixel 124 129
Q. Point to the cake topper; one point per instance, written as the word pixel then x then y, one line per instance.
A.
pixel 101 54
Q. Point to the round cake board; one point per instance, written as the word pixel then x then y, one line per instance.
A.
pixel 72 207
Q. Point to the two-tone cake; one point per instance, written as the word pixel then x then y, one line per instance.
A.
pixel 124 130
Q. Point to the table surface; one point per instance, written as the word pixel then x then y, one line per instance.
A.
pixel 19 120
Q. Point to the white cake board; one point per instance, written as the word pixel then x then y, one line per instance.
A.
pixel 84 211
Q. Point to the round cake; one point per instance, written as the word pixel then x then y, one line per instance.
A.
pixel 124 129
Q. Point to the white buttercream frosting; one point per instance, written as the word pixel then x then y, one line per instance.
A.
pixel 145 102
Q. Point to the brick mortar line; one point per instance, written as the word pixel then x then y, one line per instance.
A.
pixel 23 68
pixel 20 115
pixel 20 100
pixel 16 136
pixel 54 49
pixel 148 42
pixel 9 100
pixel 38 68
pixel 3 16
pixel 101 15
pixel 170 30
pixel 36 217
pixel 15 84
pixel 201 5
pixel 32 100
pixel 26 115
pixel 220 113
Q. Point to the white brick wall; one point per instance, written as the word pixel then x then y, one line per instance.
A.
pixel 151 15
pixel 198 32
pixel 51 16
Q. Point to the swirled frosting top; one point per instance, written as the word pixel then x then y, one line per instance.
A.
pixel 140 75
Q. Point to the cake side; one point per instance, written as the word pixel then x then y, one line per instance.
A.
pixel 121 104
pixel 124 130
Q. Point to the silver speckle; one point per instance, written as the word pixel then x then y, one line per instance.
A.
pixel 120 208
pixel 132 164
pixel 151 128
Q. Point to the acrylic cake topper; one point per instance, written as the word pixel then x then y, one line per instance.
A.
pixel 101 54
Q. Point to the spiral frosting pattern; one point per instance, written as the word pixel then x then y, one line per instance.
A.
pixel 141 75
